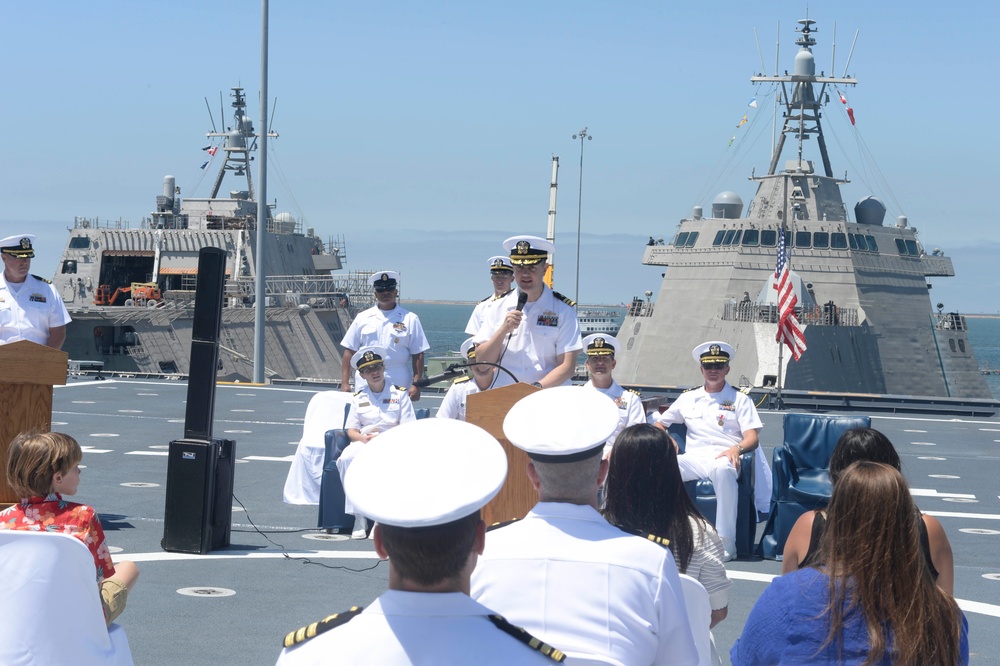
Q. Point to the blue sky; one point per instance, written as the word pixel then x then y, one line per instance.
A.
pixel 421 131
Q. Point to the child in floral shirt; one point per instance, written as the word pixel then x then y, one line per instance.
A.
pixel 41 468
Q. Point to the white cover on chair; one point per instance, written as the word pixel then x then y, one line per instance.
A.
pixel 699 612
pixel 324 412
pixel 52 605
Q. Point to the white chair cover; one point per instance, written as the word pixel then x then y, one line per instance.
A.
pixel 699 612
pixel 324 412
pixel 52 605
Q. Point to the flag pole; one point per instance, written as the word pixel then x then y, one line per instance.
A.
pixel 779 404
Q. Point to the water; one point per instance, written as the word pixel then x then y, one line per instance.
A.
pixel 444 324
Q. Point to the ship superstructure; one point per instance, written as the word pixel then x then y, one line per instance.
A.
pixel 130 291
pixel 862 284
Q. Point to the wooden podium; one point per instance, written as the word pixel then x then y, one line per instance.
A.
pixel 28 371
pixel 487 410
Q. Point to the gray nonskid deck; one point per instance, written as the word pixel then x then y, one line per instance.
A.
pixel 125 427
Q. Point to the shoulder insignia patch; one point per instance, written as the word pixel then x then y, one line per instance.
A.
pixel 41 279
pixel 568 301
pixel 658 540
pixel 506 293
pixel 462 379
pixel 316 628
pixel 520 634
pixel 496 526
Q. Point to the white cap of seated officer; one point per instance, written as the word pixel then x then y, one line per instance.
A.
pixel 561 424
pixel 367 356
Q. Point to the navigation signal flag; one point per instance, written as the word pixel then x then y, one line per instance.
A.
pixel 204 165
pixel 213 150
pixel 850 114
pixel 753 103
pixel 843 100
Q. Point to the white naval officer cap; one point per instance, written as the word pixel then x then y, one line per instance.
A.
pixel 20 246
pixel 500 264
pixel 383 279
pixel 468 348
pixel 600 344
pixel 713 351
pixel 528 250
pixel 368 355
pixel 427 472
pixel 561 424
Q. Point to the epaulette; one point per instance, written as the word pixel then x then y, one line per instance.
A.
pixel 633 391
pixel 37 277
pixel 520 634
pixel 693 388
pixel 565 299
pixel 488 298
pixel 496 526
pixel 358 392
pixel 745 390
pixel 462 379
pixel 504 294
pixel 316 628
pixel 658 540
pixel 399 387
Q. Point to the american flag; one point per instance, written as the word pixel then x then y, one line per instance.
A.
pixel 789 330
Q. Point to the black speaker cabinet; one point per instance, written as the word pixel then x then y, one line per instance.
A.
pixel 199 504
pixel 208 294
pixel 199 411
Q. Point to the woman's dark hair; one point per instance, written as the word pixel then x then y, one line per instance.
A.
pixel 644 490
pixel 859 444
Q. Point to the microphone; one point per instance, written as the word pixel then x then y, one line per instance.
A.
pixel 456 370
pixel 522 298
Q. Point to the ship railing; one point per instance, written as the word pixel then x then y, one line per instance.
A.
pixel 350 290
pixel 827 314
pixel 640 308
pixel 949 321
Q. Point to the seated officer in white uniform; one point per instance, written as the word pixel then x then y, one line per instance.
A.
pixel 598 593
pixel 483 377
pixel 391 327
pixel 30 307
pixel 502 275
pixel 722 424
pixel 539 342
pixel 378 406
pixel 424 483
pixel 601 350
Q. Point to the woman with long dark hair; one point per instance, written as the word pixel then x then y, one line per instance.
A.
pixel 802 548
pixel 872 601
pixel 644 492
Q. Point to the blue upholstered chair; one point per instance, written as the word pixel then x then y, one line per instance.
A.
pixel 331 490
pixel 702 491
pixel 800 469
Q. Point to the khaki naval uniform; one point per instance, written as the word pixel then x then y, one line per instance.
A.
pixel 28 310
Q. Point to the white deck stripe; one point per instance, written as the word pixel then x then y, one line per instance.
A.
pixel 271 458
pixel 956 514
pixel 930 492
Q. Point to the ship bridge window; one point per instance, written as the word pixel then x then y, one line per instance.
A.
pixel 900 246
pixel 681 239
pixel 751 238
pixel 728 238
pixel 718 238
pixel 803 239
pixel 911 248
pixel 768 238
pixel 872 245
pixel 838 241
pixel 854 241
pixel 821 240
pixel 69 266
pixel 79 243
pixel 691 239
pixel 951 343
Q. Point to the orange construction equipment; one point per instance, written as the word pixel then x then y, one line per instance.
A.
pixel 139 293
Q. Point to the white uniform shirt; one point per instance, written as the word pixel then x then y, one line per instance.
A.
pixel 579 583
pixel 377 412
pixel 716 420
pixel 476 318
pixel 453 404
pixel 415 628
pixel 548 329
pixel 398 331
pixel 28 310
pixel 630 410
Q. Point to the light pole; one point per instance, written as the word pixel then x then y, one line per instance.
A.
pixel 582 134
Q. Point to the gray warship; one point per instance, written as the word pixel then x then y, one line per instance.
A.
pixel 130 291
pixel 861 283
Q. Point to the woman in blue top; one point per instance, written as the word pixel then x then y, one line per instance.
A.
pixel 873 601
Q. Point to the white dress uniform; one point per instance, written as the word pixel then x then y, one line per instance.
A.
pixel 715 422
pixel 476 318
pixel 577 582
pixel 453 404
pixel 630 410
pixel 29 309
pixel 373 412
pixel 548 329
pixel 416 628
pixel 398 331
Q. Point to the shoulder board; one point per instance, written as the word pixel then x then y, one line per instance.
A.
pixel 316 628
pixel 399 388
pixel 488 298
pixel 568 301
pixel 633 391
pixel 658 540
pixel 462 379
pixel 358 392
pixel 496 526
pixel 41 279
pixel 504 294
pixel 693 388
pixel 745 390
pixel 520 634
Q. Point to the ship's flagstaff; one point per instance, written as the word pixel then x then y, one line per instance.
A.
pixel 260 299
